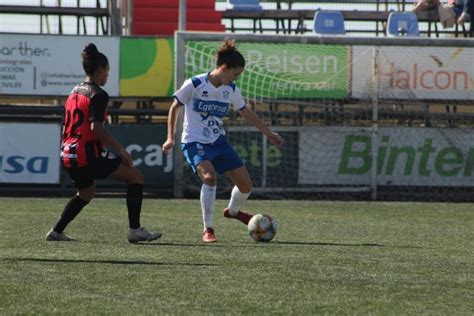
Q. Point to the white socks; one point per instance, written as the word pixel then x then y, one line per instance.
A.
pixel 208 204
pixel 237 200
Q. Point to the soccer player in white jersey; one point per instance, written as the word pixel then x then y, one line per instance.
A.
pixel 206 99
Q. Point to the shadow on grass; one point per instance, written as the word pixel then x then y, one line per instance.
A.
pixel 179 244
pixel 124 262
pixel 279 243
pixel 311 243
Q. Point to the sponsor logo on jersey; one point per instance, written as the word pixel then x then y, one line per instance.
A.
pixel 70 156
pixel 211 107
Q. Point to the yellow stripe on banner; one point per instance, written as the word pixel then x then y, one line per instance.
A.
pixel 456 53
pixel 157 80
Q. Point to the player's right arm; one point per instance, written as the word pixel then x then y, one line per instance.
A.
pixel 181 97
pixel 172 120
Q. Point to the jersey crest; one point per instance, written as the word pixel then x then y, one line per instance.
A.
pixel 225 95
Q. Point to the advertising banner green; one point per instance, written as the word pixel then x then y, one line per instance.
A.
pixel 404 156
pixel 281 70
pixel 146 66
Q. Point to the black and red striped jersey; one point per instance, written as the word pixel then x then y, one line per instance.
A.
pixel 87 103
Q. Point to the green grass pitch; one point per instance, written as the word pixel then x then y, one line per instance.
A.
pixel 327 258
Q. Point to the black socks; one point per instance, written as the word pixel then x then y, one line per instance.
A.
pixel 76 204
pixel 73 207
pixel 134 204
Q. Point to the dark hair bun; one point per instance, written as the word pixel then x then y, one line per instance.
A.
pixel 91 50
pixel 227 54
pixel 227 46
pixel 93 59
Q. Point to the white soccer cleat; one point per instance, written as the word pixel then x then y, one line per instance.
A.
pixel 55 236
pixel 141 234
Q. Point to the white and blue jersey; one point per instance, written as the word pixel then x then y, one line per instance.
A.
pixel 205 108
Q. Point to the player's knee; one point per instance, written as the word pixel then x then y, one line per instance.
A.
pixel 209 178
pixel 87 194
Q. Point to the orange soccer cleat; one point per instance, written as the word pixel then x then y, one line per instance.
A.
pixel 208 235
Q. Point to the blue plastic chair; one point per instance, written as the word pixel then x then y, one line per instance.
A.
pixel 329 23
pixel 244 5
pixel 402 24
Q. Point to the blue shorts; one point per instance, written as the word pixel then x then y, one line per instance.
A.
pixel 222 156
pixel 458 10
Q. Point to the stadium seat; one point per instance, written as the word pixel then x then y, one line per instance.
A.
pixel 190 4
pixel 402 24
pixel 329 23
pixel 171 15
pixel 244 5
pixel 160 17
pixel 168 28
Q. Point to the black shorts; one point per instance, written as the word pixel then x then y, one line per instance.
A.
pixel 101 168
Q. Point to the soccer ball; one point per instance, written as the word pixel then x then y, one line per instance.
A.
pixel 262 227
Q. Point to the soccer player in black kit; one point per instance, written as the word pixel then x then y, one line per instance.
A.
pixel 84 155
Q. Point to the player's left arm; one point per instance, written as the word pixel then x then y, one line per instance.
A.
pixel 97 111
pixel 254 120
